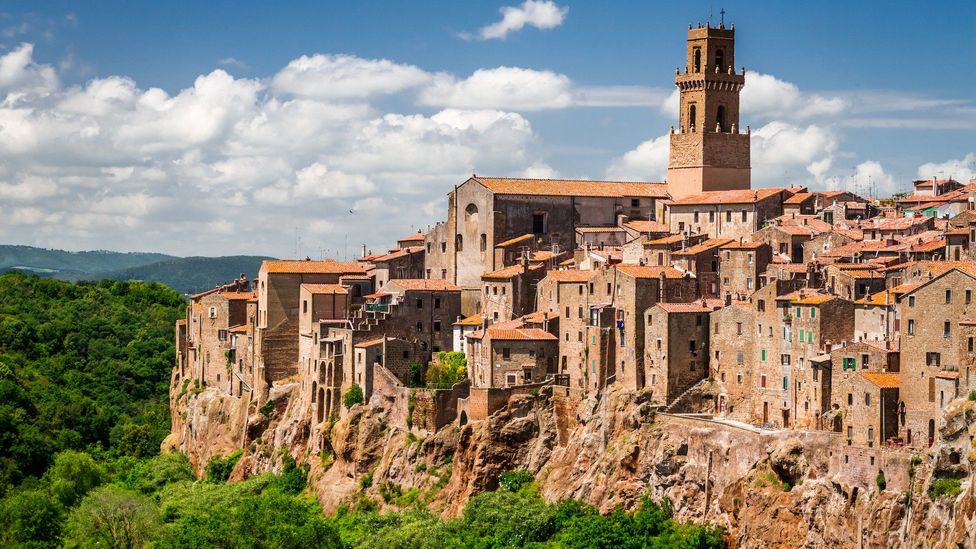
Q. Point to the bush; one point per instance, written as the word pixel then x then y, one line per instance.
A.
pixel 30 518
pixel 366 480
pixel 267 408
pixel 944 486
pixel 73 475
pixel 972 395
pixel 450 368
pixel 219 469
pixel 416 378
pixel 353 396
pixel 880 480
pixel 513 481
pixel 113 517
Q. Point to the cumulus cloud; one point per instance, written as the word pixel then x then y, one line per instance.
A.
pixel 961 169
pixel 509 88
pixel 647 162
pixel 534 13
pixel 234 165
pixel 784 153
pixel 769 97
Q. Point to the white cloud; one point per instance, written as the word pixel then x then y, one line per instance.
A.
pixel 534 13
pixel 870 179
pixel 961 169
pixel 784 154
pixel 768 97
pixel 509 88
pixel 19 72
pixel 316 180
pixel 345 77
pixel 647 162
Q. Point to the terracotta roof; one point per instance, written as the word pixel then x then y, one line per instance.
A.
pixel 530 334
pixel 298 266
pixel 892 223
pixel 930 246
pixel 375 295
pixel 613 229
pixel 424 284
pixel 242 329
pixel 572 187
pixel 473 320
pixel 883 380
pixel 693 307
pixel 736 245
pixel 325 288
pixel 543 255
pixel 670 239
pixel 798 198
pixel 370 257
pixel 572 275
pixel 373 342
pixel 644 271
pixel 540 316
pixel 887 297
pixel 708 245
pixel 643 226
pixel 944 374
pixel 515 240
pixel 239 296
pixel 508 272
pixel 744 196
pixel 961 231
pixel 415 236
pixel 396 254
pixel 806 298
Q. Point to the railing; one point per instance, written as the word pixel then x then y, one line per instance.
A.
pixel 377 307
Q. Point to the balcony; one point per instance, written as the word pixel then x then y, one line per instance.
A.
pixel 377 307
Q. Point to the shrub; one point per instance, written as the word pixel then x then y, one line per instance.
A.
pixel 219 469
pixel 972 395
pixel 945 487
pixel 267 408
pixel 366 480
pixel 353 396
pixel 513 481
pixel 416 378
pixel 73 475
pixel 880 480
pixel 450 368
pixel 421 467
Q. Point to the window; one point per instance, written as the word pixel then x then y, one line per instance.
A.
pixel 911 326
pixel 443 273
pixel 494 290
pixel 711 219
pixel 692 344
pixel 437 303
pixel 720 118
pixel 443 247
pixel 948 294
pixel 406 354
pixel 762 380
pixel 762 356
pixel 539 223
pixel 420 327
pixel 222 335
pixel 420 303
pixel 503 289
pixel 784 359
pixel 946 328
pixel 458 243
pixel 799 313
pixel 911 301
pixel 695 216
pixel 692 115
pixel 739 358
pixel 635 203
pixel 813 312
pixel 933 359
pixel 437 325
pixel 865 358
pixel 850 400
pixel 738 379
pixel 681 224
pixel 761 305
pixel 728 216
pixel 484 242
pixel 212 312
pixel 849 363
pixel 738 328
pixel 304 306
pixel 506 352
pixel 969 345
pixel 580 312
pixel 786 383
pixel 867 399
pixel 850 435
pixel 720 60
pixel 969 296
pixel 697 59
pixel 744 216
pixel 428 273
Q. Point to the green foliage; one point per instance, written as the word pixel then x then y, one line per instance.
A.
pixel 945 486
pixel 293 478
pixel 31 518
pixel 73 475
pixel 366 480
pixel 450 368
pixel 972 395
pixel 353 396
pixel 880 480
pixel 81 362
pixel 267 408
pixel 112 516
pixel 219 469
pixel 513 481
pixel 416 375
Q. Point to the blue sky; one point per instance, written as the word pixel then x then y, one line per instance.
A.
pixel 246 140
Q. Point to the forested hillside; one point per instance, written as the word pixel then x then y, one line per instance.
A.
pixel 193 274
pixel 84 374
pixel 67 264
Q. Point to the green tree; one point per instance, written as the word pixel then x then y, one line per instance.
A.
pixel 353 396
pixel 450 367
pixel 112 516
pixel 73 475
pixel 31 518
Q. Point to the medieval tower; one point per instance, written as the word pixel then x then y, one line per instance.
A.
pixel 708 152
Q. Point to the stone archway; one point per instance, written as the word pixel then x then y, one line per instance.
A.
pixel 463 418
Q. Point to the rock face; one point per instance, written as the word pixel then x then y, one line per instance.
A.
pixel 767 488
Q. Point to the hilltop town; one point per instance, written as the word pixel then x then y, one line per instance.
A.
pixel 747 323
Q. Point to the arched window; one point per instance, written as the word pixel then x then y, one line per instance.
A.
pixel 697 60
pixel 471 214
pixel 315 389
pixel 720 117
pixel 321 406
pixel 458 243
pixel 720 60
pixel 692 114
pixel 484 242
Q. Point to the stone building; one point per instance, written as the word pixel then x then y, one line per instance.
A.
pixel 658 252
pixel 708 152
pixel 936 349
pixel 571 294
pixel 725 214
pixel 865 394
pixel 404 263
pixel 510 292
pixel 740 266
pixel 876 317
pixel 732 343
pixel 425 312
pixel 854 280
pixel 676 347
pixel 502 356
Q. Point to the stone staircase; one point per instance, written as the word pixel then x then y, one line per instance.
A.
pixel 680 399
pixel 364 320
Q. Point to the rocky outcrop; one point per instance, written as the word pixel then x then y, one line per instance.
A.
pixel 767 488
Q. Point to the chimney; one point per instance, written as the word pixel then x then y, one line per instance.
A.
pixel 364 250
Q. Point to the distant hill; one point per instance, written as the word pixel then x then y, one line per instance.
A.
pixel 184 274
pixel 193 274
pixel 68 265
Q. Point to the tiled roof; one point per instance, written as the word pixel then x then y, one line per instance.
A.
pixel 572 187
pixel 528 334
pixel 643 226
pixel 800 297
pixel 239 296
pixel 930 246
pixel 572 275
pixel 372 342
pixel 398 254
pixel 798 198
pixel 325 288
pixel 516 240
pixel 298 266
pixel 884 380
pixel 645 271
pixel 664 240
pixel 694 307
pixel 540 316
pixel 744 196
pixel 508 272
pixel 242 329
pixel 886 297
pixel 613 229
pixel 473 320
pixel 708 245
pixel 415 236
pixel 736 245
pixel 945 374
pixel 424 284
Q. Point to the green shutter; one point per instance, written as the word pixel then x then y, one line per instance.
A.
pixel 786 383
pixel 810 337
pixel 798 312
pixel 813 312
pixel 762 354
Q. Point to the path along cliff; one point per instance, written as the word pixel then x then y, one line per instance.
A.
pixel 767 488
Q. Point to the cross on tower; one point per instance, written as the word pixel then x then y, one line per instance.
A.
pixel 722 13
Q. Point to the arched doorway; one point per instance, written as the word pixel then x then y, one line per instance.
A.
pixel 463 419
pixel 931 432
pixel 321 408
pixel 328 401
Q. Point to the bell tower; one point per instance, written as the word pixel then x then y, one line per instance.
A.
pixel 708 152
